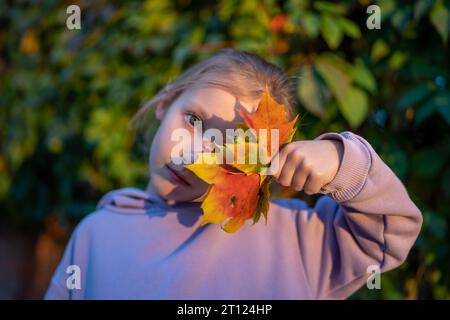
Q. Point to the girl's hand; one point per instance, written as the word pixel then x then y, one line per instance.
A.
pixel 309 165
pixel 125 197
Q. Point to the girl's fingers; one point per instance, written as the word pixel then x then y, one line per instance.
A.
pixel 278 160
pixel 124 201
pixel 133 192
pixel 299 179
pixel 288 169
pixel 106 199
pixel 312 185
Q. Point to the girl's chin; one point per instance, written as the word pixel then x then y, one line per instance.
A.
pixel 174 192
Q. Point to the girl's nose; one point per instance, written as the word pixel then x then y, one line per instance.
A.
pixel 207 146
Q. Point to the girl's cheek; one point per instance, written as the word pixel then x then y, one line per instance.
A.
pixel 168 137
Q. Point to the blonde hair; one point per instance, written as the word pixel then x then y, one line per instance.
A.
pixel 244 75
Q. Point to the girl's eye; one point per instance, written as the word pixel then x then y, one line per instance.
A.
pixel 191 118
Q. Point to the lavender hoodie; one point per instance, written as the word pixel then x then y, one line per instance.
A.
pixel 162 252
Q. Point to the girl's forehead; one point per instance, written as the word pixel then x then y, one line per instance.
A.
pixel 216 103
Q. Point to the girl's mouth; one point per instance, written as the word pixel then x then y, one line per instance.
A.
pixel 177 176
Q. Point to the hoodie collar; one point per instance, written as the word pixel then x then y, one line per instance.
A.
pixel 155 203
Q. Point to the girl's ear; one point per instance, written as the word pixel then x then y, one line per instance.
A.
pixel 162 107
pixel 160 110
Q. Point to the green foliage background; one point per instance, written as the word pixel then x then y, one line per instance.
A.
pixel 66 97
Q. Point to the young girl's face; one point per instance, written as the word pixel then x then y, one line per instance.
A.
pixel 215 108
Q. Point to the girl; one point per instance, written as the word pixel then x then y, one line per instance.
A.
pixel 151 245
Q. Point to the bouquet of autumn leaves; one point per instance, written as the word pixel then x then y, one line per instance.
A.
pixel 238 191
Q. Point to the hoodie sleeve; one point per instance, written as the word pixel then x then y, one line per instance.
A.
pixel 69 279
pixel 58 289
pixel 365 220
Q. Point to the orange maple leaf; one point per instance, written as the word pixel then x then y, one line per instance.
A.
pixel 270 115
pixel 223 200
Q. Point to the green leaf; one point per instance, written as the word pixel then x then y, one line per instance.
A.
pixel 445 183
pixel 363 77
pixel 331 31
pixel 310 22
pixel 327 7
pixel 397 159
pixel 309 92
pixel 401 18
pixel 415 95
pixel 5 184
pixel 263 202
pixel 421 7
pixel 440 18
pixel 423 113
pixel 427 163
pixel 335 77
pixel 444 110
pixel 354 107
pixel 350 28
pixel 291 136
pixel 379 50
pixel 397 60
pixel 438 103
pixel 387 8
pixel 265 198
pixel 442 104
pixel 434 223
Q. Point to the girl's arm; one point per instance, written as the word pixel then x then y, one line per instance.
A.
pixel 367 221
pixel 68 281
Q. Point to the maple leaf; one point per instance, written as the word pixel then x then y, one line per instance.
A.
pixel 246 155
pixel 270 115
pixel 223 201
